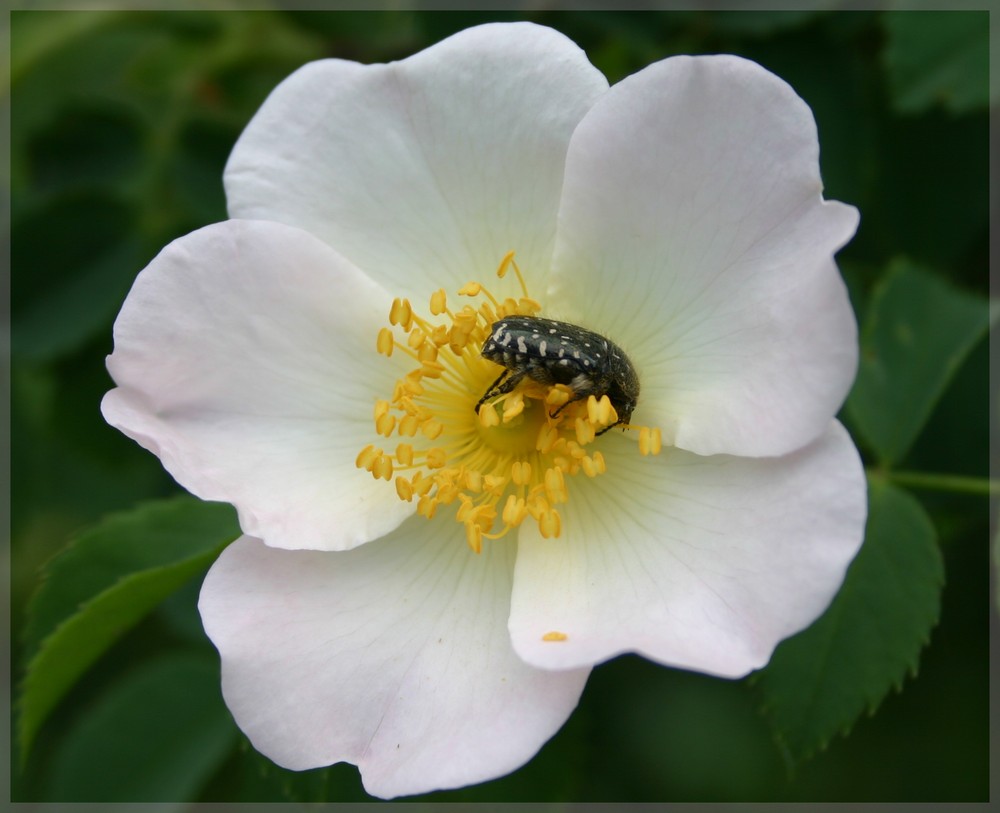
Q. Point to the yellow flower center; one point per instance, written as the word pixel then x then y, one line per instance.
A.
pixel 510 459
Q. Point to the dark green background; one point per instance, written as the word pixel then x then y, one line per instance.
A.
pixel 120 126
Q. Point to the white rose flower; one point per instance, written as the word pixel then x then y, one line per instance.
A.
pixel 680 214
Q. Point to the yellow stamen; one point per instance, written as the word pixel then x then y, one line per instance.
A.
pixel 385 342
pixel 439 302
pixel 366 457
pixel 404 488
pixel 510 462
pixel 513 406
pixel 382 467
pixel 650 441
pixel 401 314
pixel 550 524
pixel 488 415
pixel 508 262
pixel 520 472
pixel 384 424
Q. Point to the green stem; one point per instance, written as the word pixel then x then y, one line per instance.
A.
pixel 942 482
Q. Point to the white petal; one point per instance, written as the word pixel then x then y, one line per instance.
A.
pixel 693 231
pixel 245 359
pixel 423 172
pixel 704 563
pixel 394 656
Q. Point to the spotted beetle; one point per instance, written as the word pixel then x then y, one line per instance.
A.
pixel 552 352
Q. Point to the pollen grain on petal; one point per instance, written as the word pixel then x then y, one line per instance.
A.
pixel 555 636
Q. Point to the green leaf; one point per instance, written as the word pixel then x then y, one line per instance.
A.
pixel 34 36
pixel 155 735
pixel 918 331
pixel 104 584
pixel 758 23
pixel 938 57
pixel 81 308
pixel 821 680
pixel 70 288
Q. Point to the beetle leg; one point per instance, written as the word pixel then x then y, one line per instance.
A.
pixel 576 397
pixel 505 382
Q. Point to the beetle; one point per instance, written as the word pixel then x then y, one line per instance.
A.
pixel 552 352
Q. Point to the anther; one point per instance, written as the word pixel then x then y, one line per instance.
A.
pixel 550 524
pixel 474 537
pixel 514 511
pixel 584 430
pixel 432 429
pixel 513 406
pixel 439 302
pixel 555 486
pixel 384 424
pixel 488 415
pixel 408 426
pixel 386 342
pixel 367 456
pixel 401 314
pixel 382 467
pixel 650 441
pixel 404 489
pixel 520 472
pixel 416 338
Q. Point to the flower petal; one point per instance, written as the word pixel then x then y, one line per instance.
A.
pixel 243 359
pixel 703 563
pixel 693 231
pixel 456 152
pixel 394 656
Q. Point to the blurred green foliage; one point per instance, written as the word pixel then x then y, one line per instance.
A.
pixel 121 122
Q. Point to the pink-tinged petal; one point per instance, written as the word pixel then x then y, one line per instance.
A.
pixel 245 359
pixel 703 563
pixel 394 656
pixel 427 171
pixel 693 231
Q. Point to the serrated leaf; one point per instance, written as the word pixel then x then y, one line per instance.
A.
pixel 105 583
pixel 820 681
pixel 917 332
pixel 151 535
pixel 155 735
